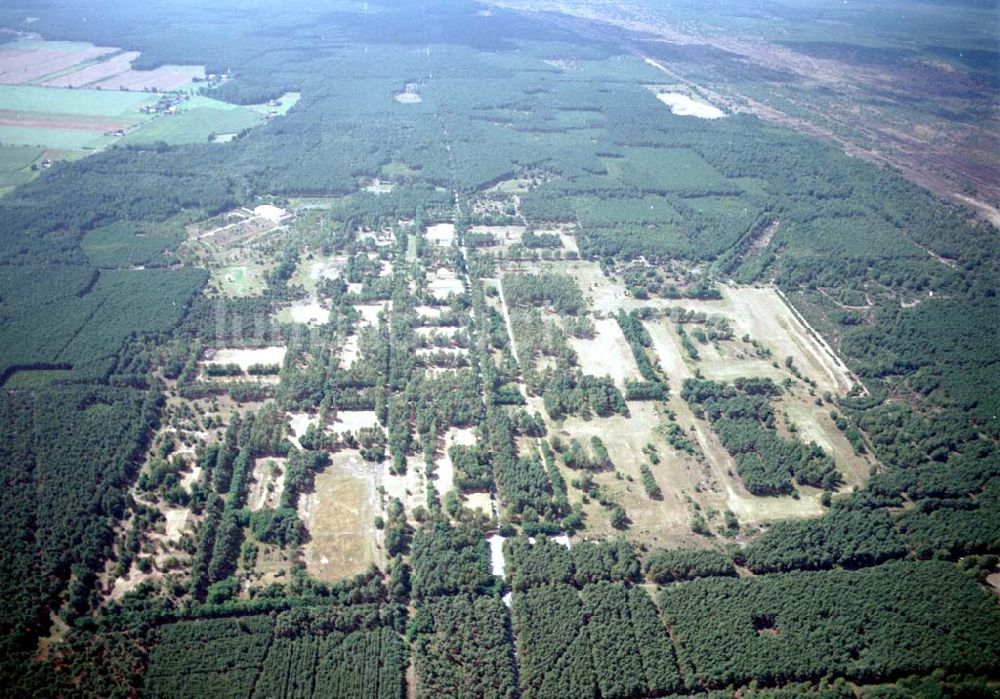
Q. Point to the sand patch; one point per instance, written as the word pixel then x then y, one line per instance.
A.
pixel 299 423
pixel 441 234
pixel 340 518
pixel 479 501
pixel 177 522
pixel 410 488
pixel 443 283
pixel 683 105
pixel 353 420
pixel 246 358
pixel 498 565
pixel 369 312
pixel 309 313
pixel 267 484
pixel 350 352
pixel 607 354
pixel 445 472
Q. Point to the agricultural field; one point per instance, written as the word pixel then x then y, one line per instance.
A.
pixel 67 119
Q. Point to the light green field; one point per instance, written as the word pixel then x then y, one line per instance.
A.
pixel 239 281
pixel 285 102
pixel 63 139
pixel 15 164
pixel 75 102
pixel 194 125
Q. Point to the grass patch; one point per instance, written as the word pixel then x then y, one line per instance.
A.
pixel 194 125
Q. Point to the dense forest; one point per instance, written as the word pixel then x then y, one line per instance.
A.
pixel 162 505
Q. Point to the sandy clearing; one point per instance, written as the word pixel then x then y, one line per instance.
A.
pixel 340 518
pixel 683 105
pixel 765 316
pixel 505 235
pixel 814 424
pixel 353 420
pixel 443 283
pixel 761 313
pixel 267 484
pixel 498 565
pixel 479 501
pixel 299 423
pixel 246 357
pixel 192 476
pixel 409 488
pixel 606 296
pixel 408 98
pixel 608 354
pixel 130 581
pixel 309 313
pixel 441 234
pixel 445 470
pixel 327 269
pixel 754 510
pixel 177 522
pixel 668 349
pixel 350 352
pixel 369 312
pixel 428 311
pixel 568 241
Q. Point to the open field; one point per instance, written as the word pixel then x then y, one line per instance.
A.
pixel 65 118
pixel 72 64
pixel 96 73
pixel 761 313
pixel 340 518
pixel 197 119
pixel 267 483
pixel 353 420
pixel 683 105
pixel 242 280
pixel 607 354
pixel 27 60
pixel 245 358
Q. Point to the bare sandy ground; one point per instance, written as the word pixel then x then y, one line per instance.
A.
pixel 444 283
pixel 479 501
pixel 353 420
pixel 299 423
pixel 246 357
pixel 683 105
pixel 607 354
pixel 441 234
pixel 267 484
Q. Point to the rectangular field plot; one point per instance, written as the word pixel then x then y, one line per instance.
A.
pixel 339 516
pixel 607 353
pixel 28 60
pixel 196 125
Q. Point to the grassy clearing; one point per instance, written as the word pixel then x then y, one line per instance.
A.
pixel 193 125
pixel 15 164
pixel 280 105
pixel 340 518
pixel 244 280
